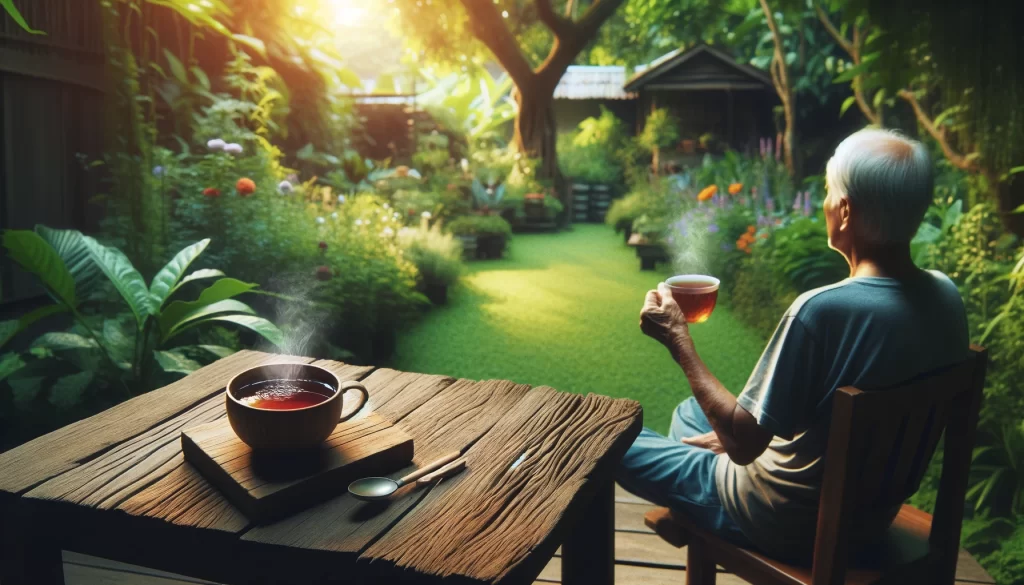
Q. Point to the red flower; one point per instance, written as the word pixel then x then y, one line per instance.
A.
pixel 452 187
pixel 534 196
pixel 211 192
pixel 323 246
pixel 323 273
pixel 412 212
pixel 245 187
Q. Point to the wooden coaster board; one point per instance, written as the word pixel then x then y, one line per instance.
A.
pixel 266 487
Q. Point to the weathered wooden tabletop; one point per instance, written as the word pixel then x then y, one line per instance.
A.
pixel 116 486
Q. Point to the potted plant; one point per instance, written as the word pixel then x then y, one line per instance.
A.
pixel 437 256
pixel 661 130
pixel 647 237
pixel 490 231
pixel 708 142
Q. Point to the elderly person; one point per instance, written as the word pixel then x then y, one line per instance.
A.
pixel 750 468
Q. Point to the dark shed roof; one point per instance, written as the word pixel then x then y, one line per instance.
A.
pixel 699 67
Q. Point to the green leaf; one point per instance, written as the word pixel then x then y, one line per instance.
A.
pixel 67 391
pixel 385 84
pixel 62 340
pixel 251 42
pixel 70 246
pixel 349 78
pixel 8 329
pixel 952 216
pixel 220 290
pixel 25 387
pixel 265 328
pixel 225 306
pixel 13 12
pixel 846 105
pixel 172 361
pixel 10 363
pixel 167 279
pixel 125 278
pixel 850 73
pixel 879 97
pixel 201 77
pixel 177 69
pixel 218 350
pixel 35 255
pixel 198 275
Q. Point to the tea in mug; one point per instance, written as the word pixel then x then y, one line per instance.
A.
pixel 696 295
pixel 284 394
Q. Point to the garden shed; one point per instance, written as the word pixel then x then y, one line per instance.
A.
pixel 584 89
pixel 728 104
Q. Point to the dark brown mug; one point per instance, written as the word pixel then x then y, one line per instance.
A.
pixel 288 429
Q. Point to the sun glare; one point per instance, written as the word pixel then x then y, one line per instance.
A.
pixel 348 12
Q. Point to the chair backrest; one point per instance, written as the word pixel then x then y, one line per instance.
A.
pixel 880 443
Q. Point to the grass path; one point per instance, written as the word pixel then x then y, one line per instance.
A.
pixel 562 310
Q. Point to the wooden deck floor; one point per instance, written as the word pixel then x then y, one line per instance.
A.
pixel 641 559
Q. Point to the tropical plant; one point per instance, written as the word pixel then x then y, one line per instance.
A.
pixel 487 198
pixel 477 105
pixel 69 265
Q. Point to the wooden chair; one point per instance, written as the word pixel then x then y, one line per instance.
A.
pixel 879 446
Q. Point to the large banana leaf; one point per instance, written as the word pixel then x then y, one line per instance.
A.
pixel 173 361
pixel 202 312
pixel 35 255
pixel 265 328
pixel 8 329
pixel 220 290
pixel 200 274
pixel 167 279
pixel 125 278
pixel 70 246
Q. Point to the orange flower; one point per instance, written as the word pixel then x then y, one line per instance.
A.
pixel 211 192
pixel 764 236
pixel 707 193
pixel 534 196
pixel 402 171
pixel 245 187
pixel 751 229
pixel 735 188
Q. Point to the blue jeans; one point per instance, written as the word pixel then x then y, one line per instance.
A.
pixel 679 476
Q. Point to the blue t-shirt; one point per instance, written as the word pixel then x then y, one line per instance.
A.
pixel 866 332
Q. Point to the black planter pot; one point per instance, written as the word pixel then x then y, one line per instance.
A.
pixel 490 246
pixel 437 293
pixel 469 245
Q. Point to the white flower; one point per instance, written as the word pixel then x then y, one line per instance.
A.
pixel 334 215
pixel 386 206
pixel 320 220
pixel 233 148
pixel 425 215
pixel 341 199
pixel 396 215
pixel 216 144
pixel 387 232
pixel 465 165
pixel 284 187
pixel 359 222
pixel 415 174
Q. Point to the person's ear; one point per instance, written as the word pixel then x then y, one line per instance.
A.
pixel 843 213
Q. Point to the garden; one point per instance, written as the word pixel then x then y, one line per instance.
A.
pixel 406 184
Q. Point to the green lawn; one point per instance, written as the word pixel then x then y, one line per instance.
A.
pixel 562 310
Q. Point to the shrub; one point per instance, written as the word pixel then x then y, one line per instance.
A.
pixel 592 153
pixel 661 130
pixel 480 225
pixel 437 255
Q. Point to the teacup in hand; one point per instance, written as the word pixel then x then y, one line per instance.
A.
pixel 696 295
pixel 283 407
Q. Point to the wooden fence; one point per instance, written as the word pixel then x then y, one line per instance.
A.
pixel 51 121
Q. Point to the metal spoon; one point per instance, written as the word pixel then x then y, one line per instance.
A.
pixel 371 489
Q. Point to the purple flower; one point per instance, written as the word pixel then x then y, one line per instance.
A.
pixel 158 171
pixel 763 220
pixel 798 201
pixel 712 228
pixel 763 147
pixel 778 148
pixel 807 203
pixel 769 204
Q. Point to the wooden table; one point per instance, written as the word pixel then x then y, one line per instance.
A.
pixel 116 486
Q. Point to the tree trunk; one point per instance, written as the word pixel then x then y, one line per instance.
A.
pixel 535 137
pixel 789 140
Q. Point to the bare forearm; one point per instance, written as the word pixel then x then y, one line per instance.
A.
pixel 714 399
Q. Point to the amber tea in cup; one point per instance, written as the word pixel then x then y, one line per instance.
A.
pixel 696 295
pixel 284 394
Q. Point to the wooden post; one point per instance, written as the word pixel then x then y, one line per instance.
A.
pixel 29 556
pixel 700 568
pixel 730 117
pixel 588 555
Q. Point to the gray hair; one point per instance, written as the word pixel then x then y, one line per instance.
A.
pixel 888 178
